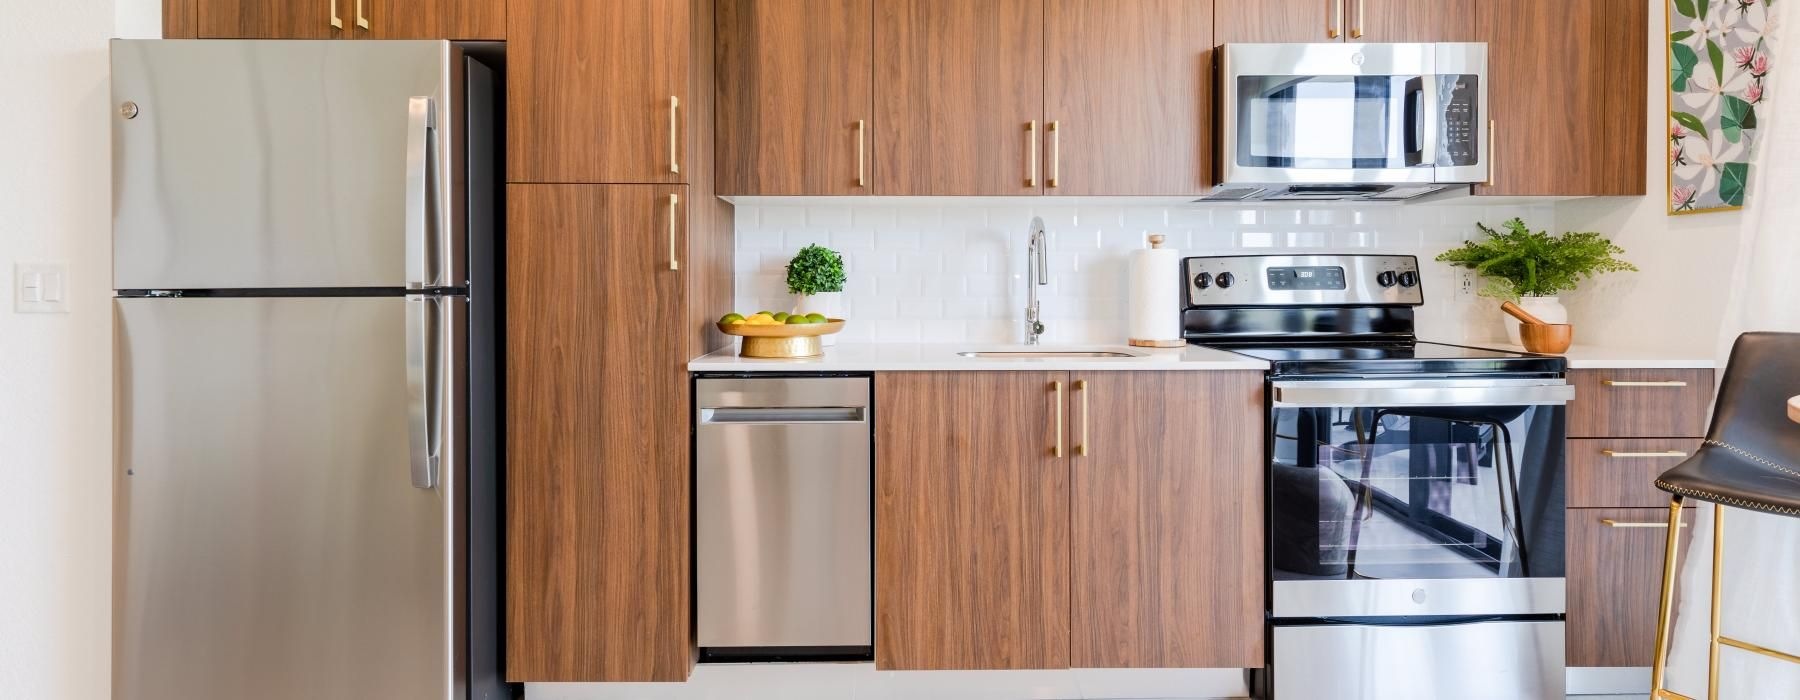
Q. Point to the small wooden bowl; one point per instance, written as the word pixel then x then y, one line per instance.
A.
pixel 1547 338
pixel 783 341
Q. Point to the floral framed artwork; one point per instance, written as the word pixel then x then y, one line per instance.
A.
pixel 1718 70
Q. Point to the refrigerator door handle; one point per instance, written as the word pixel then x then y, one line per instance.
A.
pixel 422 257
pixel 424 325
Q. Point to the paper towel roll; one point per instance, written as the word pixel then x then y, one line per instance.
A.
pixel 1155 295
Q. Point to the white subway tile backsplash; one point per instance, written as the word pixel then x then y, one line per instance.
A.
pixel 949 270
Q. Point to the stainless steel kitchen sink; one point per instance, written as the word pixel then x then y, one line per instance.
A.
pixel 1045 354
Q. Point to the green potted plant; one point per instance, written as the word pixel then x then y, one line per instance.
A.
pixel 816 279
pixel 1532 268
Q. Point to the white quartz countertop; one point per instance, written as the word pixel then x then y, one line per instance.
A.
pixel 892 357
pixel 1596 357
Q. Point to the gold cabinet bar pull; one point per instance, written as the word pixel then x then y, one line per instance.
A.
pixel 674 211
pixel 1031 132
pixel 1057 407
pixel 1335 20
pixel 1609 522
pixel 1081 448
pixel 1356 30
pixel 860 129
pixel 1671 383
pixel 1055 152
pixel 674 154
pixel 361 21
pixel 1633 455
pixel 336 21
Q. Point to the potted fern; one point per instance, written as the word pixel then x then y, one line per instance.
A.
pixel 1532 268
pixel 816 279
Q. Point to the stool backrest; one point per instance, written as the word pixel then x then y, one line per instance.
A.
pixel 1751 413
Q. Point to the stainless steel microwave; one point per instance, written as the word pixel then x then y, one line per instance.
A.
pixel 1351 121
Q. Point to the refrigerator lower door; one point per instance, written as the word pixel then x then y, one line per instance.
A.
pixel 270 542
pixel 284 164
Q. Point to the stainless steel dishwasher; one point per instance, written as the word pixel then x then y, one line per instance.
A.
pixel 784 564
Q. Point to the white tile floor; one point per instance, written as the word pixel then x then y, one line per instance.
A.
pixel 860 681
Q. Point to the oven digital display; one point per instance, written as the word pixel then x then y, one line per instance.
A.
pixel 1306 278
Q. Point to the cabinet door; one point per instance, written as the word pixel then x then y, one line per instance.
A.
pixel 795 96
pixel 597 440
pixel 1410 21
pixel 597 91
pixel 959 97
pixel 971 521
pixel 1167 513
pixel 465 20
pixel 1129 97
pixel 272 19
pixel 1573 126
pixel 1278 21
pixel 1615 583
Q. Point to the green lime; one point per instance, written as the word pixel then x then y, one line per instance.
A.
pixel 816 318
pixel 781 316
pixel 766 313
pixel 798 320
pixel 731 317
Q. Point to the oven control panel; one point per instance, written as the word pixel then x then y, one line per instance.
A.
pixel 1303 280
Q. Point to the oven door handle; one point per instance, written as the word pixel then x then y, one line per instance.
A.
pixel 1354 394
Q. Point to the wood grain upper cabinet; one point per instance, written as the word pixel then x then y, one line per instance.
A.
pixel 596 432
pixel 597 91
pixel 1410 21
pixel 959 97
pixel 972 521
pixel 796 101
pixel 1278 21
pixel 1574 126
pixel 266 19
pixel 466 20
pixel 1128 97
pixel 1167 520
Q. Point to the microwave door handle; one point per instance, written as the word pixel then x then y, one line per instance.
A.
pixel 1416 131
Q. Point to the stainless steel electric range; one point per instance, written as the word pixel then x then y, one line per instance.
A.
pixel 1415 489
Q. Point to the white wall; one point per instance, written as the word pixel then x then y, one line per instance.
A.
pixel 1677 300
pixel 55 370
pixel 947 269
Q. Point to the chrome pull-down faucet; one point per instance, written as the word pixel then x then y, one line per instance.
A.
pixel 1037 274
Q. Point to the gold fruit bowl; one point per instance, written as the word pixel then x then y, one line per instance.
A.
pixel 783 341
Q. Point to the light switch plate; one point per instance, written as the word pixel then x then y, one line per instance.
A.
pixel 40 288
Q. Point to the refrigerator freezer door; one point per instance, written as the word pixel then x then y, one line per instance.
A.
pixel 270 542
pixel 282 164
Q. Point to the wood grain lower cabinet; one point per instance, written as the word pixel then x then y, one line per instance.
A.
pixel 1057 519
pixel 1615 560
pixel 1167 520
pixel 971 521
pixel 1640 403
pixel 597 526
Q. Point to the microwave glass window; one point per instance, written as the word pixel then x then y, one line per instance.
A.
pixel 1335 122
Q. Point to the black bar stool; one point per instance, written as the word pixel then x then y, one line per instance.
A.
pixel 1750 460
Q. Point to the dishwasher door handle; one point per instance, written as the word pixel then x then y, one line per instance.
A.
pixel 736 415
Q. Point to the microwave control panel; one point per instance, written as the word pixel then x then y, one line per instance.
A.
pixel 1286 280
pixel 1460 134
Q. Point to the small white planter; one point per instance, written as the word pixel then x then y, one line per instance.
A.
pixel 829 303
pixel 1548 309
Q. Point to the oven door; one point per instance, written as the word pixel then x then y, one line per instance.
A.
pixel 1320 114
pixel 1439 497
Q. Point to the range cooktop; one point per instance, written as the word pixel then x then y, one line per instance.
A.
pixel 1391 357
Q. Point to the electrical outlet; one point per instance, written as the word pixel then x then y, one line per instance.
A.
pixel 1466 284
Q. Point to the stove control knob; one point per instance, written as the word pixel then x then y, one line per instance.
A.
pixel 1385 279
pixel 1203 280
pixel 1409 279
pixel 1225 280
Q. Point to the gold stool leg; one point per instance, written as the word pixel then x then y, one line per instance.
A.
pixel 1718 562
pixel 1665 616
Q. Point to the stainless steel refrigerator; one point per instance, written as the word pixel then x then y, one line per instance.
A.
pixel 306 490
